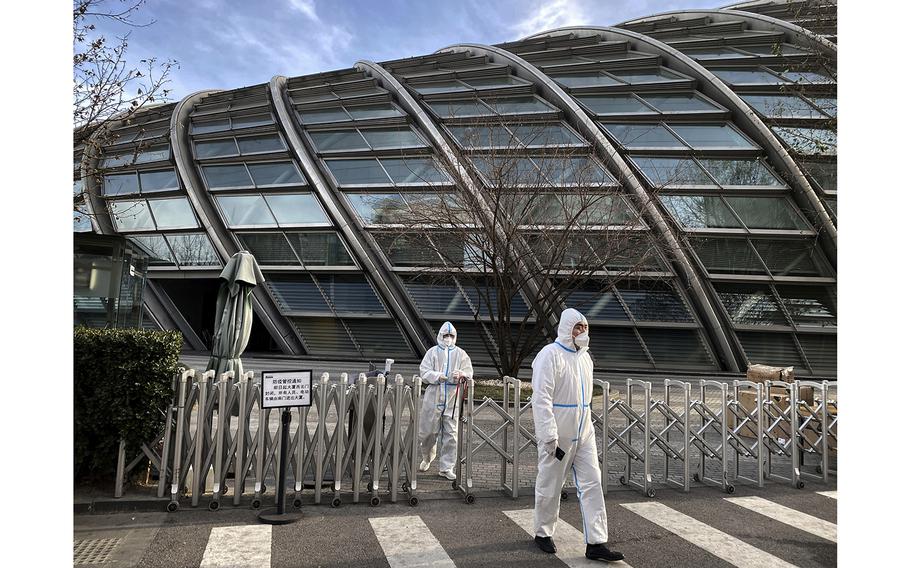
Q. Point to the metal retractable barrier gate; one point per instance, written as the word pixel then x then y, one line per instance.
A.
pixel 813 428
pixel 712 424
pixel 673 437
pixel 216 428
pixel 623 439
pixel 464 481
pixel 747 429
pixel 780 430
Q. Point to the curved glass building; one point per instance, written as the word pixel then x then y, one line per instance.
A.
pixel 717 126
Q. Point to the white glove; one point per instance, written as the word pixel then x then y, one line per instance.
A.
pixel 550 447
pixel 457 375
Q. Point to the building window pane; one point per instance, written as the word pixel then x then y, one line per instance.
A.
pixel 382 138
pixel 654 301
pixel 824 173
pixel 173 213
pixel 483 136
pixel 766 213
pixel 320 249
pixel 518 105
pixel 132 216
pixel 676 348
pixel 828 105
pixel 260 144
pixel 121 184
pixel 575 171
pixel 700 212
pixel 807 77
pixel 644 136
pixel 226 176
pixel 663 172
pixel 245 211
pixel 318 115
pixel 812 306
pixel 363 112
pixel 336 140
pixel 782 106
pixel 414 170
pixel 439 87
pixel 157 249
pixel 378 208
pixel 216 149
pixel 206 126
pixel 709 136
pixel 748 77
pixel 615 104
pixel 159 181
pixel 727 256
pixel 296 209
pixel 597 304
pixel 619 347
pixel 494 82
pixel 193 250
pixel 153 154
pixel 545 135
pixel 585 80
pixel 456 108
pixel 357 172
pixel 270 249
pixel 637 76
pixel 679 103
pixel 820 349
pixel 278 173
pixel 776 349
pixel 750 304
pixel 251 120
pixel 808 141
pixel 792 257
pixel 741 172
pixel 350 293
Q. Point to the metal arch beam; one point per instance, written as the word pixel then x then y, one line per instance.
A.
pixel 394 296
pixel 800 35
pixel 429 128
pixel 221 238
pixel 94 202
pixel 743 116
pixel 574 113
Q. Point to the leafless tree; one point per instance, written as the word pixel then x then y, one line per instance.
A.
pixel 543 221
pixel 107 89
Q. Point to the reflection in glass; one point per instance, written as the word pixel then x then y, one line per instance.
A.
pixel 382 138
pixel 518 105
pixel 811 306
pixel 576 171
pixel 615 104
pixel 260 144
pixel 378 208
pixel 277 173
pixel 157 249
pixel 748 77
pixel 159 181
pixel 700 212
pixel 711 136
pixel 357 172
pixel 234 175
pixel 245 211
pixel 662 172
pixel 643 136
pixel 545 135
pixel 173 213
pixel 320 249
pixel 727 256
pixel 801 257
pixel 741 172
pixel 132 216
pixel 319 115
pixel 337 140
pixel 270 249
pixel 215 148
pixel 296 209
pixel 460 107
pixel 193 250
pixel 809 141
pixel 750 304
pixel 121 184
pixel 584 79
pixel 679 103
pixel 767 213
pixel 635 76
pixel 483 136
pixel 439 87
pixel 414 170
pixel 782 106
pixel 362 112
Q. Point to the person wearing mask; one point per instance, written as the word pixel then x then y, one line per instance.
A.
pixel 563 379
pixel 442 370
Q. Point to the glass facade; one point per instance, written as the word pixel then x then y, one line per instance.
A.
pixel 378 161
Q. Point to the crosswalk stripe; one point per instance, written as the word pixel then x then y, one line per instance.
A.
pixel 718 543
pixel 792 517
pixel 570 542
pixel 407 541
pixel 831 494
pixel 247 546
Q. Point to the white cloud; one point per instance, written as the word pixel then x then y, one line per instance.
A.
pixel 305 7
pixel 550 14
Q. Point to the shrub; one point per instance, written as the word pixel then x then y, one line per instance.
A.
pixel 122 383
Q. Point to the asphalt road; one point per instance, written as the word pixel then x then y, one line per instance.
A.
pixel 702 528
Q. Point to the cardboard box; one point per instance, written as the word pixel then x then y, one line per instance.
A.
pixel 762 373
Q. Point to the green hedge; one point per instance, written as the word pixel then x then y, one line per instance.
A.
pixel 122 382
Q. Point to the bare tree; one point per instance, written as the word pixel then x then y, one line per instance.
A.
pixel 545 222
pixel 107 89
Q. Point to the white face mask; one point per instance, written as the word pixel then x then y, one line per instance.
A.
pixel 448 341
pixel 581 340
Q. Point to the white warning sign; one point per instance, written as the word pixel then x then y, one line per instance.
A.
pixel 286 388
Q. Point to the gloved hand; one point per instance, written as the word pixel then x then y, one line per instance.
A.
pixel 457 376
pixel 550 447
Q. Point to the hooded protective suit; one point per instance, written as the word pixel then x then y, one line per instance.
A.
pixel 436 420
pixel 562 380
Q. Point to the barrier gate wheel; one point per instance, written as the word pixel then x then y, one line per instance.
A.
pixel 298 503
pixel 413 501
pixel 696 477
pixel 374 501
pixel 730 489
pixel 563 495
pixel 172 507
pixel 256 503
pixel 469 498
pixel 214 506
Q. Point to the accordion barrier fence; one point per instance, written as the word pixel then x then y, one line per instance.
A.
pixel 358 439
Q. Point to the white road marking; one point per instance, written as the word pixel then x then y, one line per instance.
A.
pixel 407 541
pixel 718 543
pixel 570 542
pixel 247 546
pixel 786 515
pixel 831 494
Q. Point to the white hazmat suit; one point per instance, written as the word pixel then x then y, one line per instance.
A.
pixel 437 422
pixel 563 379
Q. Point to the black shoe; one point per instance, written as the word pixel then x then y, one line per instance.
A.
pixel 545 543
pixel 601 552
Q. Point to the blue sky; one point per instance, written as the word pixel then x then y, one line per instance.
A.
pixel 222 44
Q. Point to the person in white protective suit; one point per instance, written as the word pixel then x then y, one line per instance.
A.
pixel 563 379
pixel 442 370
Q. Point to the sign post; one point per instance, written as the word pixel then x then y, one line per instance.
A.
pixel 284 389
